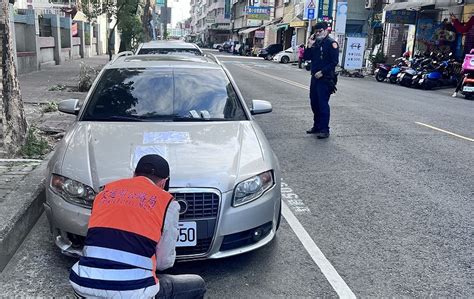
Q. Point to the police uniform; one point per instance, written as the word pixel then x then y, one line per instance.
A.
pixel 324 56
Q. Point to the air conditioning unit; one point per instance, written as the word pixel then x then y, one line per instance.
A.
pixel 369 3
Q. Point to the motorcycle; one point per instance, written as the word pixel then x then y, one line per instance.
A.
pixel 467 88
pixel 382 71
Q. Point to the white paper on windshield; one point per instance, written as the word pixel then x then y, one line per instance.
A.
pixel 143 150
pixel 166 137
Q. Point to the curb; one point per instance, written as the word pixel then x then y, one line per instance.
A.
pixel 20 210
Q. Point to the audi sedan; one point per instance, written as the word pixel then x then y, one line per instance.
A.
pixel 223 171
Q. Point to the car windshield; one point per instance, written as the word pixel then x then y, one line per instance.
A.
pixel 172 51
pixel 164 95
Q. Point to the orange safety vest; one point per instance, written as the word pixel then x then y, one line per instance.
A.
pixel 124 228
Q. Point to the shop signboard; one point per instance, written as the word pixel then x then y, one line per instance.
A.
pixel 341 17
pixel 210 20
pixel 260 34
pixel 257 12
pixel 160 3
pixel 355 48
pixel 227 9
pixel 253 23
pixel 298 24
pixel 400 16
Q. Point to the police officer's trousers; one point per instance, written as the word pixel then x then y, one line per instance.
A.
pixel 319 96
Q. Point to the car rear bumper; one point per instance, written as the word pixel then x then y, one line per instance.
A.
pixel 236 230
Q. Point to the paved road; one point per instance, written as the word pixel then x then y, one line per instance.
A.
pixel 387 198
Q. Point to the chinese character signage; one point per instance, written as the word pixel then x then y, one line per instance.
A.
pixel 258 12
pixel 227 9
pixel 400 16
pixel 355 47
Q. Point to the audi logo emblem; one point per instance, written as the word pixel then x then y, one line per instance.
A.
pixel 183 206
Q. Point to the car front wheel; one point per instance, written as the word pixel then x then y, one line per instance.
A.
pixel 285 59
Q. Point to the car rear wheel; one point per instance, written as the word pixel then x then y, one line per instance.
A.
pixel 285 59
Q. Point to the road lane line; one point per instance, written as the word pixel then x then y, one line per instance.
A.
pixel 274 77
pixel 238 57
pixel 444 131
pixel 338 284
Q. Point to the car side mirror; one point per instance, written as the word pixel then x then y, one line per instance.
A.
pixel 260 107
pixel 69 106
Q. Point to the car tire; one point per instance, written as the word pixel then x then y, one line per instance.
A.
pixel 268 57
pixel 285 59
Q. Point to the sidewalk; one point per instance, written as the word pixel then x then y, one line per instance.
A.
pixel 22 181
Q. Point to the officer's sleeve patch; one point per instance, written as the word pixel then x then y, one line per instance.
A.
pixel 335 45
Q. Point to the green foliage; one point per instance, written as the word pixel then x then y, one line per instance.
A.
pixel 125 12
pixel 87 76
pixel 49 107
pixel 377 58
pixel 58 87
pixel 36 146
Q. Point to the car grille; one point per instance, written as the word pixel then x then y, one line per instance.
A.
pixel 199 205
pixel 203 208
pixel 202 246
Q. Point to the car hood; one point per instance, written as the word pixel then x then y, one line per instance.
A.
pixel 211 154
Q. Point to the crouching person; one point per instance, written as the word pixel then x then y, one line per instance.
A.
pixel 132 232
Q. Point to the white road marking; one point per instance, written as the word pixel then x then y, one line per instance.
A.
pixel 444 131
pixel 239 57
pixel 338 284
pixel 293 200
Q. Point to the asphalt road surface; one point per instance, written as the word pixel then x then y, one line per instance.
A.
pixel 382 208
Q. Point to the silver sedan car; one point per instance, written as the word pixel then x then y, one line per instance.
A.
pixel 224 173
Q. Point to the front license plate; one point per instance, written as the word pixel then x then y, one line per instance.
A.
pixel 468 88
pixel 187 234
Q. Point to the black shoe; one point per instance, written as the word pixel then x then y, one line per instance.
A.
pixel 322 135
pixel 312 131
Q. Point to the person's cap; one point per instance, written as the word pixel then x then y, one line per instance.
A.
pixel 321 25
pixel 153 164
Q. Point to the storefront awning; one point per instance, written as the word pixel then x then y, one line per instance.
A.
pixel 411 5
pixel 248 30
pixel 282 26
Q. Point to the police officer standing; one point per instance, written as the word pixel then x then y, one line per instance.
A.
pixel 323 51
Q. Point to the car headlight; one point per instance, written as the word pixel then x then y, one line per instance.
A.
pixel 73 191
pixel 252 188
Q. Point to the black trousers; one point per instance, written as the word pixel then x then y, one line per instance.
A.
pixel 319 97
pixel 185 286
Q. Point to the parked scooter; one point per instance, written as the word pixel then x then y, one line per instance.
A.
pixel 467 88
pixel 382 71
pixel 402 63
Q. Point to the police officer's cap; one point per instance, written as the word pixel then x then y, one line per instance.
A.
pixel 153 164
pixel 321 25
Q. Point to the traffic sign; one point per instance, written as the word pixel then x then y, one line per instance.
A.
pixel 310 13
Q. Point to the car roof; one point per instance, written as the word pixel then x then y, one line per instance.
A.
pixel 168 45
pixel 164 61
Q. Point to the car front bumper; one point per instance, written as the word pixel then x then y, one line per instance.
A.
pixel 236 230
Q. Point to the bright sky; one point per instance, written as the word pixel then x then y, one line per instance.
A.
pixel 179 10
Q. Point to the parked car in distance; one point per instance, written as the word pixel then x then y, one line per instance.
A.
pixel 286 56
pixel 169 47
pixel 223 172
pixel 270 51
pixel 217 46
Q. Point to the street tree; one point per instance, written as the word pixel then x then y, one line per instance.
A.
pixel 127 20
pixel 14 121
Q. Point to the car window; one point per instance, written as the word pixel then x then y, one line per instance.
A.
pixel 165 51
pixel 163 95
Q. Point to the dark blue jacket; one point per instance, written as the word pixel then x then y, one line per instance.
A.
pixel 324 57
